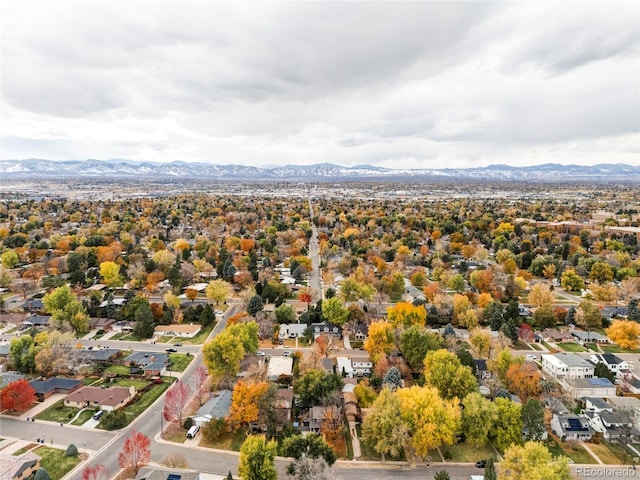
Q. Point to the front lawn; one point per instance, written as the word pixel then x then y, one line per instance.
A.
pixel 227 441
pixel 464 452
pixel 201 336
pixel 535 347
pixel 611 453
pixel 57 413
pixel 145 400
pixel 55 462
pixel 617 349
pixel 116 370
pixel 573 450
pixel 571 347
pixel 178 362
pixel 127 382
pixel 83 417
pixel 519 345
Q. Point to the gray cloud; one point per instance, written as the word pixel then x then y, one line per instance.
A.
pixel 397 83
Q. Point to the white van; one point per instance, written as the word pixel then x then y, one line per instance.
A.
pixel 193 431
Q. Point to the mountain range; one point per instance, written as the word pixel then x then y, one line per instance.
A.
pixel 117 168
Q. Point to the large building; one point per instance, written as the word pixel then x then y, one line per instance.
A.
pixel 565 365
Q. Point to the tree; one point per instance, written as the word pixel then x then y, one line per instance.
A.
pixel 307 468
pixel 334 311
pixel 588 315
pixel 480 341
pixel 66 311
pixel 392 379
pixel 257 459
pixel 406 315
pixel 533 461
pixel 71 451
pixel 443 370
pixel 602 371
pixel 201 382
pixel 507 428
pixel 17 396
pixel 255 305
pixel 22 352
pixel 312 446
pixel 533 419
pixel 540 295
pixel 571 281
pixel 9 259
pixel 524 380
pixel 285 314
pixel 110 273
pixel 380 340
pixel 544 316
pixel 365 394
pixel 136 452
pixel 218 291
pixel 442 475
pixel 351 290
pixel 502 361
pixel 382 428
pixel 415 343
pixel 601 272
pixel 624 333
pixel 247 332
pixel 42 474
pixel 174 460
pixel 223 354
pixel 478 416
pixel 490 470
pixel 144 323
pixel 176 401
pixel 96 472
pixel 316 385
pixel 431 420
pixel 246 401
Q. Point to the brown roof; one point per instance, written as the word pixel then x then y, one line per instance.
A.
pixel 104 396
pixel 14 318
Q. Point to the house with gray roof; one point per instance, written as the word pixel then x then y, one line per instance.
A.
pixel 9 377
pixel 47 387
pixel 151 363
pixel 217 406
pixel 18 467
pixel 571 427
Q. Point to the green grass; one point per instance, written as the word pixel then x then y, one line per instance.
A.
pixel 574 451
pixel 116 370
pixel 548 347
pixel 535 347
pixel 593 347
pixel 519 345
pixel 571 347
pixel 83 417
pixel 178 362
pixel 132 337
pixel 127 382
pixel 201 335
pixel 145 400
pixel 617 349
pixel 91 380
pixel 55 462
pixel 227 441
pixel 22 450
pixel 57 413
pixel 611 453
pixel 118 336
pixel 463 452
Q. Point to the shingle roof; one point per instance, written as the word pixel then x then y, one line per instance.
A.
pixel 44 386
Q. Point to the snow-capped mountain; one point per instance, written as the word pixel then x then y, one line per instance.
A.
pixel 322 171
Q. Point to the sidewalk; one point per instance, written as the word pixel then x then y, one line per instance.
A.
pixel 592 453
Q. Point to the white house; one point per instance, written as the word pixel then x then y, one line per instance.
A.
pixel 181 330
pixel 590 387
pixel 292 330
pixel 571 427
pixel 612 425
pixel 279 366
pixel 615 364
pixel 362 366
pixel 566 365
pixel 344 367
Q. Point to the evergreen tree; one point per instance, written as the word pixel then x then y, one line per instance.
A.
pixel 144 321
pixel 442 475
pixel 632 310
pixel 570 318
pixel 255 305
pixel 490 470
pixel 392 379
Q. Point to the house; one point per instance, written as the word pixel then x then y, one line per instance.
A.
pixel 250 365
pixel 279 366
pixel 362 366
pixel 165 473
pixel 282 405
pixel 116 302
pixel 182 330
pixel 615 364
pixel 4 350
pixel 35 321
pixel 589 337
pixel 18 467
pixel 34 305
pixel 633 385
pixel 556 336
pixel 627 405
pixel 360 332
pixel 9 377
pixel 612 425
pixel 566 365
pixel 217 406
pixel 590 387
pixel 14 319
pixel 45 388
pixel 102 355
pixel 326 327
pixel 571 427
pixel 593 404
pixel 109 399
pixel 292 330
pixel 344 367
pixel 328 365
pixel 482 370
pixel 123 327
pixel 151 363
pixel 317 416
pixel 105 324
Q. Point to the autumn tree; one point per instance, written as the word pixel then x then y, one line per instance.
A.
pixel 443 370
pixel 201 382
pixel 17 396
pixel 312 446
pixel 540 295
pixel 381 427
pixel 624 333
pixel 431 420
pixel 257 459
pixel 110 273
pixel 588 315
pixel 532 461
pixel 502 361
pixel 351 290
pixel 478 417
pixel 95 472
pixel 480 341
pixel 218 291
pixel 66 311
pixel 334 311
pixel 571 281
pixel 176 401
pixel 380 340
pixel 415 343
pixel 406 315
pixel 223 354
pixel 246 401
pixel 524 380
pixel 136 452
pixel 507 427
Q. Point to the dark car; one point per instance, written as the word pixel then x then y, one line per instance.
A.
pixel 171 350
pixel 481 464
pixel 178 344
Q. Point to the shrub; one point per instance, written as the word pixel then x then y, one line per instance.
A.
pixel 42 474
pixel 71 451
pixel 188 423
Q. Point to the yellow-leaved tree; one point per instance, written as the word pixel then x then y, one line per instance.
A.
pixel 404 314
pixel 380 340
pixel 246 402
pixel 624 333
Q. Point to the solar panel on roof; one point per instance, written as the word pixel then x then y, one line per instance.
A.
pixel 174 476
pixel 575 424
pixel 599 381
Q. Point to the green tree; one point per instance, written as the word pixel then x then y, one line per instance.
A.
pixel 41 474
pixel 257 459
pixel 382 426
pixel 601 272
pixel 9 259
pixel 22 352
pixel 217 291
pixel 315 385
pixel 110 273
pixel 143 317
pixel 490 470
pixel 66 311
pixel 544 316
pixel 223 354
pixel 588 315
pixel 415 343
pixel 533 461
pixel 507 428
pixel 255 305
pixel 285 314
pixel 571 281
pixel 247 332
pixel 392 379
pixel 442 475
pixel 312 446
pixel 602 371
pixel 478 417
pixel 456 283
pixel 443 370
pixel 334 311
pixel 533 419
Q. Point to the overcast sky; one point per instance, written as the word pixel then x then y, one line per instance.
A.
pixel 419 84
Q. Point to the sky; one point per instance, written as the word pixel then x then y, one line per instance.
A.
pixel 393 84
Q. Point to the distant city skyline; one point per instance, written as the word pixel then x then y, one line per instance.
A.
pixel 389 84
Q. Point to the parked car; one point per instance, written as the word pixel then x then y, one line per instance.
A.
pixel 193 431
pixel 98 415
pixel 171 350
pixel 179 344
pixel 530 357
pixel 481 464
pixel 286 353
pixel 260 353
